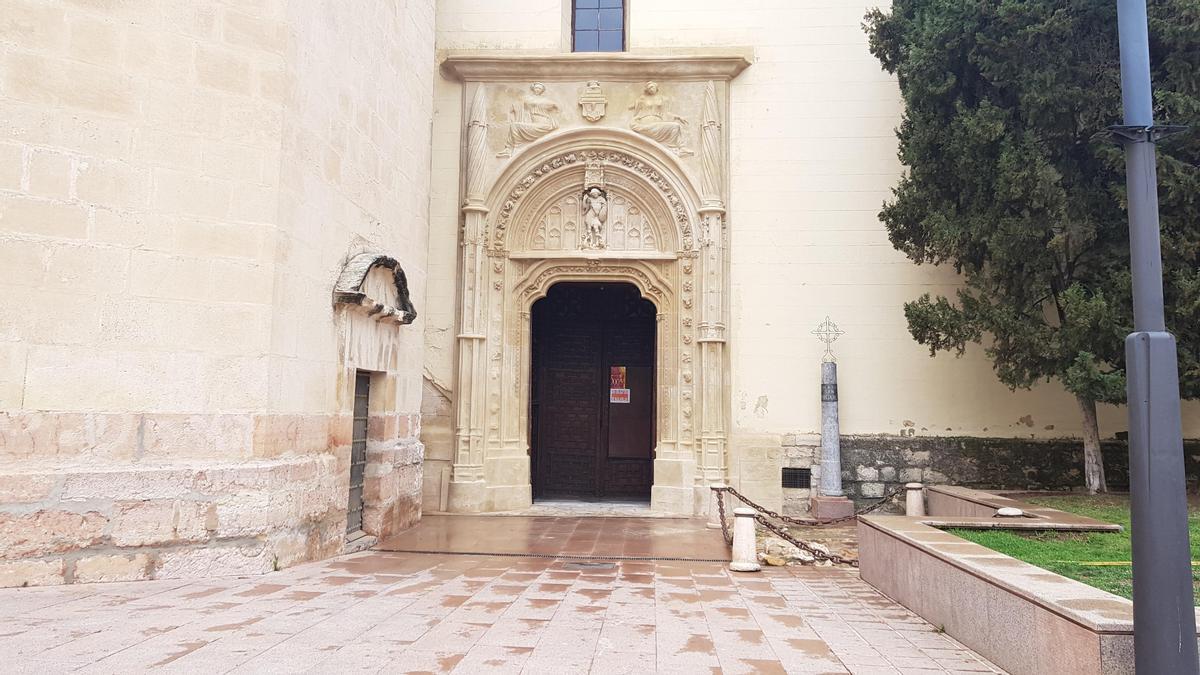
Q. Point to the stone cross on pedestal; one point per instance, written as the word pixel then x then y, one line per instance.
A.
pixel 830 502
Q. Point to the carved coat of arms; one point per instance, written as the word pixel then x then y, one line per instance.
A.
pixel 592 102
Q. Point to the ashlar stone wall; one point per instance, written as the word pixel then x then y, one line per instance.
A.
pixel 180 185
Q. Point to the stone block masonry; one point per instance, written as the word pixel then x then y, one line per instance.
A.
pixel 180 186
pixel 95 497
pixel 871 465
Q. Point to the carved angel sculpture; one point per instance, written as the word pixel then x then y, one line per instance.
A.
pixel 594 217
pixel 534 118
pixel 652 119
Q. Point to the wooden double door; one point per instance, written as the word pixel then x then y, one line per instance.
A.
pixel 592 399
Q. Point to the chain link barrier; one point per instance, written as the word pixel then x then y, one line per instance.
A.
pixel 764 514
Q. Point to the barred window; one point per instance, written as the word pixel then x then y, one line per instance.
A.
pixel 598 25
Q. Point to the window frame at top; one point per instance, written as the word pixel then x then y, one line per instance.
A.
pixel 622 5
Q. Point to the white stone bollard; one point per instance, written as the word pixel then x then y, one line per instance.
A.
pixel 745 550
pixel 714 512
pixel 914 500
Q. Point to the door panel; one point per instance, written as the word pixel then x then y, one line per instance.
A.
pixel 583 445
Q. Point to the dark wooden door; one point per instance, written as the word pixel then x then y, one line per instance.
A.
pixel 590 438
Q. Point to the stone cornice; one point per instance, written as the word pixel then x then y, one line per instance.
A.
pixel 496 65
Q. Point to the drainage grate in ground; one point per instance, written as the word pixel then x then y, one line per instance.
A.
pixel 589 565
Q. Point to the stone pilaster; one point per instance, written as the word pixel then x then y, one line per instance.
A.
pixel 713 442
pixel 467 486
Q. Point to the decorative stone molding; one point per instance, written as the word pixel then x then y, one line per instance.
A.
pixel 592 157
pixel 349 289
pixel 650 286
pixel 487 66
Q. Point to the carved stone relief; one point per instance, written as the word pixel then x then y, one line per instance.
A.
pixel 653 119
pixel 563 225
pixel 612 157
pixel 535 116
pixel 592 102
pixel 595 215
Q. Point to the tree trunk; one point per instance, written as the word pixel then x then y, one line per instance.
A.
pixel 1093 460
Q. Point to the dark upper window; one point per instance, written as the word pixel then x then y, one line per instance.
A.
pixel 599 25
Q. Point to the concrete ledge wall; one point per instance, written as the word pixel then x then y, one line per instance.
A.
pixel 1021 617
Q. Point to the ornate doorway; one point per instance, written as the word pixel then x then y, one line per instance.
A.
pixel 630 199
pixel 592 398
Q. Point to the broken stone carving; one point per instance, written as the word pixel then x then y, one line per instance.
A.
pixel 592 102
pixel 653 119
pixel 351 289
pixel 536 116
pixel 594 216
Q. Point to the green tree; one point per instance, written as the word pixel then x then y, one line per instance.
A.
pixel 1011 178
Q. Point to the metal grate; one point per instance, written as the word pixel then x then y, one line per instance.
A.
pixel 358 451
pixel 797 478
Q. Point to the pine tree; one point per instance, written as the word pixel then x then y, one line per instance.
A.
pixel 1012 179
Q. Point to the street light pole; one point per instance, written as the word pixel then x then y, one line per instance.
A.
pixel 1164 621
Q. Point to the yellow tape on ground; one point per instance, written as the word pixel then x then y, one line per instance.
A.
pixel 1100 563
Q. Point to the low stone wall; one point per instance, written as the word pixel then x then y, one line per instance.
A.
pixel 1021 617
pixel 871 465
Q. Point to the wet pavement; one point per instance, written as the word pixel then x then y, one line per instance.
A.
pixel 575 537
pixel 385 612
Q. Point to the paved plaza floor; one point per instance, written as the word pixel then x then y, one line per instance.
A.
pixel 390 612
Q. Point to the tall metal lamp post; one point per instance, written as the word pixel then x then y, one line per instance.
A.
pixel 1164 621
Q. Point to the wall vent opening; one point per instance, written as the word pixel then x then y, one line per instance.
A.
pixel 797 478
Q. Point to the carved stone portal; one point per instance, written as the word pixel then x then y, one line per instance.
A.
pixel 591 203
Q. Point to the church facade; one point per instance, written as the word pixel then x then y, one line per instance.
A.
pixel 280 276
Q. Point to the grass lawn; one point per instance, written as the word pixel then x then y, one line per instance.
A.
pixel 1063 552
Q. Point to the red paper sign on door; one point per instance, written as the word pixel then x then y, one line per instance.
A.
pixel 618 391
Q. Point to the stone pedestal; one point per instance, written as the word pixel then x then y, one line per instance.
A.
pixel 828 508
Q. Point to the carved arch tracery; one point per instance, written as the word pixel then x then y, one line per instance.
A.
pixel 550 217
pixel 616 152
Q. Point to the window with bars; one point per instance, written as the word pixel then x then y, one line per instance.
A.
pixel 598 25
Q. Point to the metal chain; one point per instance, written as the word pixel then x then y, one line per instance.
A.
pixel 764 513
pixel 782 533
pixel 724 523
pixel 809 522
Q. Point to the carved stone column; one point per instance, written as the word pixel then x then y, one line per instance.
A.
pixel 713 440
pixel 467 486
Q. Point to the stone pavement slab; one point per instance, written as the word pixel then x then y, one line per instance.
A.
pixel 562 536
pixel 381 612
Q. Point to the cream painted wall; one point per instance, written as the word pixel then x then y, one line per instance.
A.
pixel 813 156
